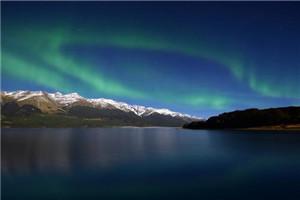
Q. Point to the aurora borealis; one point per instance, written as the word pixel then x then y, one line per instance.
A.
pixel 194 57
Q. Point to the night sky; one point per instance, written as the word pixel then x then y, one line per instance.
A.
pixel 198 58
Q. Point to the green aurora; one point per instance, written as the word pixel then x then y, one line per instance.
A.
pixel 35 53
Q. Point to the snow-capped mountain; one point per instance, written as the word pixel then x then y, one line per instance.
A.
pixel 58 102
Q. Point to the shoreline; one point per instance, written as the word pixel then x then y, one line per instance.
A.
pixel 293 127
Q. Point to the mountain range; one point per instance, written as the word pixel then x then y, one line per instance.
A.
pixel 282 118
pixel 43 109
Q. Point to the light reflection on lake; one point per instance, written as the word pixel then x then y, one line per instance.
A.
pixel 148 163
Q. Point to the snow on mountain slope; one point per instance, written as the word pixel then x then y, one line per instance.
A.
pixel 51 102
pixel 38 99
pixel 138 110
pixel 65 99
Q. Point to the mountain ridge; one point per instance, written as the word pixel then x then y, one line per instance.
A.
pixel 72 104
pixel 281 118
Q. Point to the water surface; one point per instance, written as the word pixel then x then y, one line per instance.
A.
pixel 149 163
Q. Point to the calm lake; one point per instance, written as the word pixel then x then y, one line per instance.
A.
pixel 149 163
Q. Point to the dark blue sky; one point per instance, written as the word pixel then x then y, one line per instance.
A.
pixel 195 57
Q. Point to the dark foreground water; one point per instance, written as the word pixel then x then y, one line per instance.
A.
pixel 149 163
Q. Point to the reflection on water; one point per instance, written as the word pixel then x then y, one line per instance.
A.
pixel 37 150
pixel 145 163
